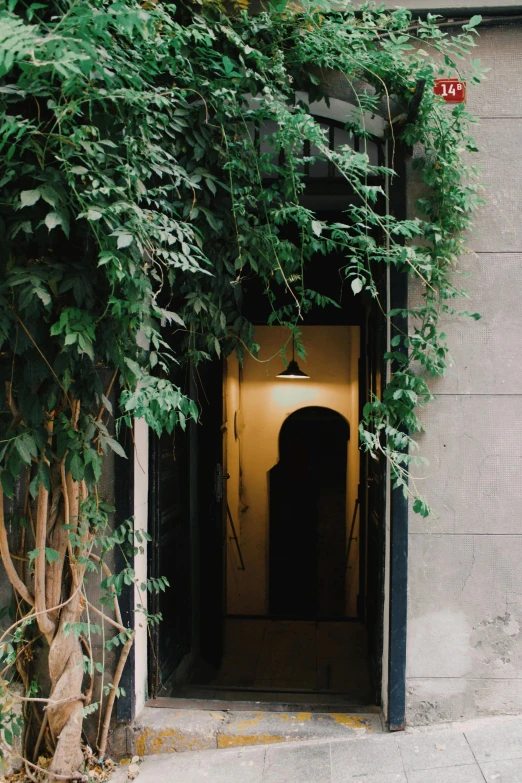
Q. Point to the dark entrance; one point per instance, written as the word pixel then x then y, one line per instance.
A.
pixel 308 517
pixel 306 650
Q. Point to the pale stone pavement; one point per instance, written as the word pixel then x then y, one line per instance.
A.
pixel 482 751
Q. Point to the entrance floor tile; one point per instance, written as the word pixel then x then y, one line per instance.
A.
pixel 244 636
pixel 237 670
pixel 296 655
pixel 341 640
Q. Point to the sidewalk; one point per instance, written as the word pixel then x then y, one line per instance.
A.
pixel 486 750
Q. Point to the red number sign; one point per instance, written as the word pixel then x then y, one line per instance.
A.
pixel 452 90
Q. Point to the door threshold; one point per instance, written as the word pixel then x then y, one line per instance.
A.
pixel 266 702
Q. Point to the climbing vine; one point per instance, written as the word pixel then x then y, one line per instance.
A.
pixel 136 207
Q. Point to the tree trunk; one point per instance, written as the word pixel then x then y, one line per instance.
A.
pixel 66 672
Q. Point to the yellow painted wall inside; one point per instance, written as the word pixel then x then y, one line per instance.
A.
pixel 257 403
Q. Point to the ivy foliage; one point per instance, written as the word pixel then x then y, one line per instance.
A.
pixel 134 202
pixel 137 208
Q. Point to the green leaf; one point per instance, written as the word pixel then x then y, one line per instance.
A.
pixel 317 227
pixel 124 240
pixel 76 466
pixel 53 219
pixel 357 285
pixel 93 214
pixel 26 447
pixel 29 197
pixel 116 447
pixel 32 555
pixel 51 555
pixel 107 403
pixel 473 22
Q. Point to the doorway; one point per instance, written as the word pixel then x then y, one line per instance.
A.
pixel 284 596
pixel 307 517
pixel 282 611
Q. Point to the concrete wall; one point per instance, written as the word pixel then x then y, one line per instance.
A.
pixel 465 578
pixel 263 404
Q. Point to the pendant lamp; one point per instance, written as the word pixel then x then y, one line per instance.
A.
pixel 293 372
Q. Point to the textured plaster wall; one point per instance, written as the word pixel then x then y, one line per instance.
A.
pixel 465 575
pixel 259 406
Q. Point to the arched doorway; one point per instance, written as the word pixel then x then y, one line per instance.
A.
pixel 308 516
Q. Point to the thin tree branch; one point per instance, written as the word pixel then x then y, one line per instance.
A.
pixel 107 393
pixel 108 571
pixel 46 625
pixel 40 737
pixel 106 617
pixel 112 695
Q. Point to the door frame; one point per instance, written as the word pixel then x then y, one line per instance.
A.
pixel 395 576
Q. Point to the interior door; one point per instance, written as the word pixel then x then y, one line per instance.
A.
pixel 373 499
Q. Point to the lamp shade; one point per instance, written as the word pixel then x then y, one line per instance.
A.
pixel 293 372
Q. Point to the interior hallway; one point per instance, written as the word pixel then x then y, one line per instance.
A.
pixel 266 655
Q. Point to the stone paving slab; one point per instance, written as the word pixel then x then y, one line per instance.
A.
pixel 496 739
pixel 237 766
pixel 431 751
pixel 502 771
pixel 376 755
pixel 467 773
pixel 297 763
pixel 394 777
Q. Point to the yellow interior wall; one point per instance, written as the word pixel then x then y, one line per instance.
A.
pixel 256 405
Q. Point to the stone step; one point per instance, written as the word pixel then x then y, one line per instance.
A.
pixel 164 730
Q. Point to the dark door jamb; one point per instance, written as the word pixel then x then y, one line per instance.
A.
pixel 398 583
pixel 398 561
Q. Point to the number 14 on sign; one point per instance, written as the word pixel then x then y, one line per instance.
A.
pixel 452 90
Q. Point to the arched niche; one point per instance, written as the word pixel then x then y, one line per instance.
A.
pixel 307 506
